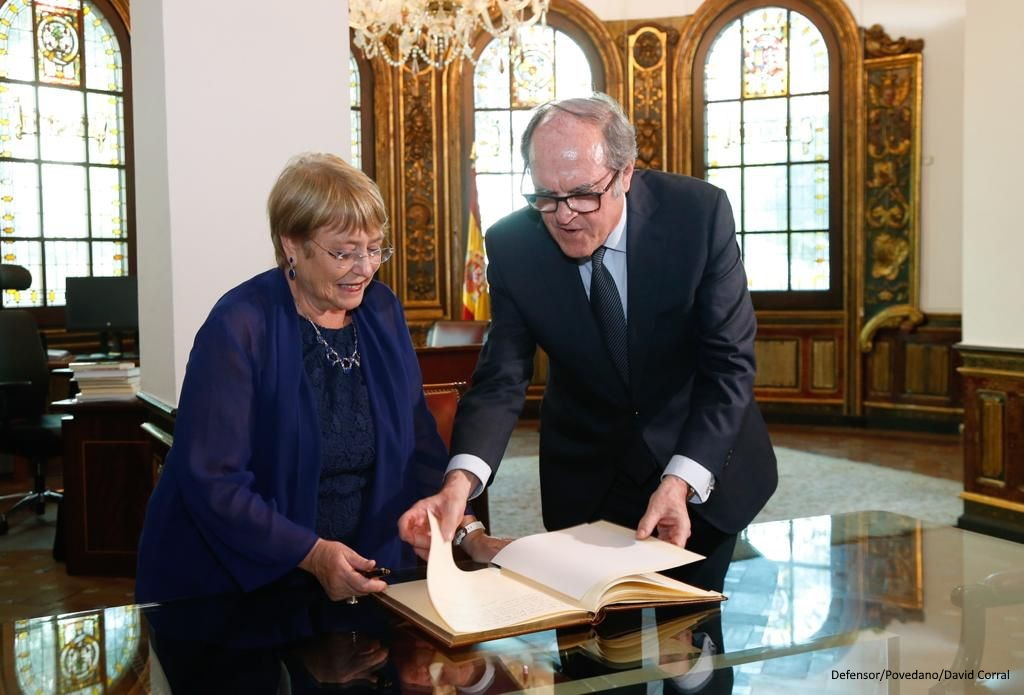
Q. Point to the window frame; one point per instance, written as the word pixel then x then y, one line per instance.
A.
pixel 782 300
pixel 367 109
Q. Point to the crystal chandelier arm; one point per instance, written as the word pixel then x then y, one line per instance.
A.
pixel 436 32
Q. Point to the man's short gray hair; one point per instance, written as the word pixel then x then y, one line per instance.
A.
pixel 598 109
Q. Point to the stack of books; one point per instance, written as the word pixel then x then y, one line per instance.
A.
pixel 105 381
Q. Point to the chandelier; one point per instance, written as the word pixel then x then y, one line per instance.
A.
pixel 435 33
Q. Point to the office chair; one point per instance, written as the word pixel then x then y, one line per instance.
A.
pixel 445 333
pixel 26 429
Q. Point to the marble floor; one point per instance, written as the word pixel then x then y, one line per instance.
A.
pixel 32 583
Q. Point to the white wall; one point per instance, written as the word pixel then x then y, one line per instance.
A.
pixel 993 152
pixel 940 24
pixel 220 106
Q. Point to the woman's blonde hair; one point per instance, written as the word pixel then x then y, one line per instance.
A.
pixel 322 190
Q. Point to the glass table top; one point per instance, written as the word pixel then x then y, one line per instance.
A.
pixel 868 602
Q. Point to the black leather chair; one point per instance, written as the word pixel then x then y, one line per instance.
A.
pixel 26 429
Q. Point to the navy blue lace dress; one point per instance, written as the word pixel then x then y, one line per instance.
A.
pixel 347 432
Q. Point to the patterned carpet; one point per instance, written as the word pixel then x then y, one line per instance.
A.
pixel 809 485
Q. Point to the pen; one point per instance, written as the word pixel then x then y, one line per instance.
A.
pixel 376 573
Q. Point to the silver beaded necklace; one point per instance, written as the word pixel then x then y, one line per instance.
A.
pixel 333 358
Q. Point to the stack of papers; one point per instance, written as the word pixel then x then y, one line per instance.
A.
pixel 105 381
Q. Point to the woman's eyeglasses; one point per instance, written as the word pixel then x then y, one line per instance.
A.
pixel 348 259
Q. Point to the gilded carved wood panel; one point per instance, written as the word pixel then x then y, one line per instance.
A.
pixel 892 186
pixel 648 78
pixel 420 195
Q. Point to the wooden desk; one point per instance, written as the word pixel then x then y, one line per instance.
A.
pixel 107 482
pixel 451 363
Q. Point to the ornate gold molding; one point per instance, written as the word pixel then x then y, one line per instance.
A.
pixel 903 315
pixel 420 149
pixel 647 90
pixel 878 44
pixel 992 501
pixel 982 361
pixel 910 407
pixel 892 193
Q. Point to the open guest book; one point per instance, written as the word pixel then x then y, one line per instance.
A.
pixel 543 581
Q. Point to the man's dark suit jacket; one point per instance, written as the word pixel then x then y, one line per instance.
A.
pixel 691 359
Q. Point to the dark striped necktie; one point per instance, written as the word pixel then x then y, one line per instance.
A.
pixel 607 307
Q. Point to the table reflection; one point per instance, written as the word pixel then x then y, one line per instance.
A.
pixel 83 652
pixel 807 598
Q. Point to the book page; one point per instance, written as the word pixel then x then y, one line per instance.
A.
pixel 485 599
pixel 587 558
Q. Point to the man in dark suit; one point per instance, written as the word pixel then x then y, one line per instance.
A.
pixel 648 417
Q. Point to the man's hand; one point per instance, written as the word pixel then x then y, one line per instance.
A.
pixel 448 505
pixel 339 570
pixel 482 548
pixel 666 512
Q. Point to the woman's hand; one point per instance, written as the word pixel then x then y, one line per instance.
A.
pixel 339 570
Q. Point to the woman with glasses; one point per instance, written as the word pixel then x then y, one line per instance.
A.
pixel 302 432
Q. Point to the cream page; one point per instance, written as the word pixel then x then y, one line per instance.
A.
pixel 589 556
pixel 484 599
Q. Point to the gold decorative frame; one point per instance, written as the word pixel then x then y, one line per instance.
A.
pixel 648 86
pixel 892 184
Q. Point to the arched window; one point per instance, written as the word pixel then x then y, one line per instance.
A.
pixel 508 83
pixel 64 147
pixel 361 122
pixel 356 105
pixel 767 126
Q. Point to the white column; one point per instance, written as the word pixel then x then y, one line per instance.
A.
pixel 993 279
pixel 224 93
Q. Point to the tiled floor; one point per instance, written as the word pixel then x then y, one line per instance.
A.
pixel 32 583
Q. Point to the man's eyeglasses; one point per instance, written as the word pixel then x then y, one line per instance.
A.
pixel 581 203
pixel 347 259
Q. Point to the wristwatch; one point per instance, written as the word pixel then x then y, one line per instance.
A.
pixel 463 531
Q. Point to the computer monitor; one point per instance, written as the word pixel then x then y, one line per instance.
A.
pixel 108 305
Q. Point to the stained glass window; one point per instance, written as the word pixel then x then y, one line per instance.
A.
pixel 767 123
pixel 63 150
pixel 508 83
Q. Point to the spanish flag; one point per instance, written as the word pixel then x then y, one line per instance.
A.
pixel 476 302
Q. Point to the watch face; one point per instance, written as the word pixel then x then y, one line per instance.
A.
pixel 459 535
